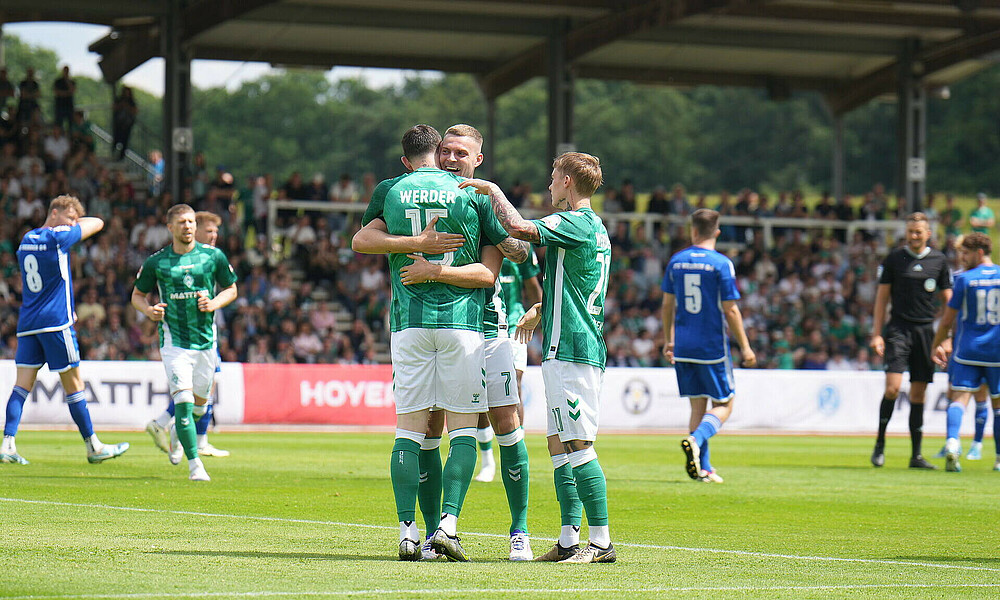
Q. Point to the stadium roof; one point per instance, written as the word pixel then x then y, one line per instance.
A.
pixel 848 49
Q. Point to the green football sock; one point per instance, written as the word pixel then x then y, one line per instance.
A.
pixel 514 472
pixel 570 507
pixel 458 471
pixel 429 491
pixel 593 490
pixel 404 470
pixel 184 424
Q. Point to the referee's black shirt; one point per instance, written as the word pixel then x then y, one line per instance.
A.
pixel 914 281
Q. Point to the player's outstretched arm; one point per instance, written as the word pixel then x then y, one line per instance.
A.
pixel 153 312
pixel 514 249
pixel 940 348
pixel 878 320
pixel 667 309
pixel 374 238
pixel 735 320
pixel 221 300
pixel 511 220
pixel 89 226
pixel 475 275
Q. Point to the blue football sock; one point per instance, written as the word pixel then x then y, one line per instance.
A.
pixel 15 405
pixel 81 416
pixel 955 413
pixel 996 430
pixel 982 413
pixel 710 425
pixel 171 408
pixel 201 425
pixel 705 464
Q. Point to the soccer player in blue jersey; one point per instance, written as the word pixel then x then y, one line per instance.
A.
pixel 974 312
pixel 695 336
pixel 45 326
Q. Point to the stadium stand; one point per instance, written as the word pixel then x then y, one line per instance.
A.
pixel 807 275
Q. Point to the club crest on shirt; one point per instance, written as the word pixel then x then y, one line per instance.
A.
pixel 930 285
pixel 188 279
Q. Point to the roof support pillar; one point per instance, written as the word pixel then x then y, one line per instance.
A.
pixel 177 138
pixel 491 136
pixel 911 168
pixel 837 170
pixel 560 93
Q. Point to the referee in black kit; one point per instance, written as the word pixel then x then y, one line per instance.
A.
pixel 912 276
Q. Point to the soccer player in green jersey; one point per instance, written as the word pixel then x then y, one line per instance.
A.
pixel 572 317
pixel 186 274
pixel 437 334
pixel 460 152
pixel 161 428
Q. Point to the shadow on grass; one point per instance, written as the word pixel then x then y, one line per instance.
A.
pixel 86 476
pixel 951 559
pixel 295 555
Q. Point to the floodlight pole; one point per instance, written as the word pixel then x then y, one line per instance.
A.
pixel 177 141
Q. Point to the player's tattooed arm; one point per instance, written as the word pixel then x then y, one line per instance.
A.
pixel 511 220
pixel 515 250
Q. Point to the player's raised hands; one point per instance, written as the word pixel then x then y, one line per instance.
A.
pixel 527 324
pixel 432 241
pixel 157 311
pixel 420 271
pixel 480 185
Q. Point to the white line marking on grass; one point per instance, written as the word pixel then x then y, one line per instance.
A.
pixel 335 593
pixel 750 553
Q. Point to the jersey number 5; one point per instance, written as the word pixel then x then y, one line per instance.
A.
pixel 417 224
pixel 692 293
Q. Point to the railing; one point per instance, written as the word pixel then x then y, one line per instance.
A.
pixel 767 225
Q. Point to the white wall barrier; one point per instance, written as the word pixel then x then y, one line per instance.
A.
pixel 790 401
pixel 127 393
pixel 130 393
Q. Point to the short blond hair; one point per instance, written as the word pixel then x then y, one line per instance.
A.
pixel 203 217
pixel 583 169
pixel 177 209
pixel 463 130
pixel 64 202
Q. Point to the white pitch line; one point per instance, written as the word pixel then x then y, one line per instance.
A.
pixel 439 591
pixel 750 553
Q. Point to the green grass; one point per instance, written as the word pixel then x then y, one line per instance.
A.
pixel 796 497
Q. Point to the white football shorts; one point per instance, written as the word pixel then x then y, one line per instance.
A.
pixel 438 368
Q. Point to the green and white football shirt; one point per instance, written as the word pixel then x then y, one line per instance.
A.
pixel 494 315
pixel 406 204
pixel 180 278
pixel 576 282
pixel 512 278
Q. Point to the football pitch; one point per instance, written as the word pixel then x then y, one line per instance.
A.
pixel 310 515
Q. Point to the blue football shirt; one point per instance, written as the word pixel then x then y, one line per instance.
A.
pixel 47 283
pixel 976 297
pixel 700 280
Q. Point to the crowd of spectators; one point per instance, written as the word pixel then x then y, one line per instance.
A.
pixel 305 296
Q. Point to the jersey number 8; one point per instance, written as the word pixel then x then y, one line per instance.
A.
pixel 31 275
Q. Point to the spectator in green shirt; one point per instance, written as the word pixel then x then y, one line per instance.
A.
pixel 981 219
pixel 951 217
